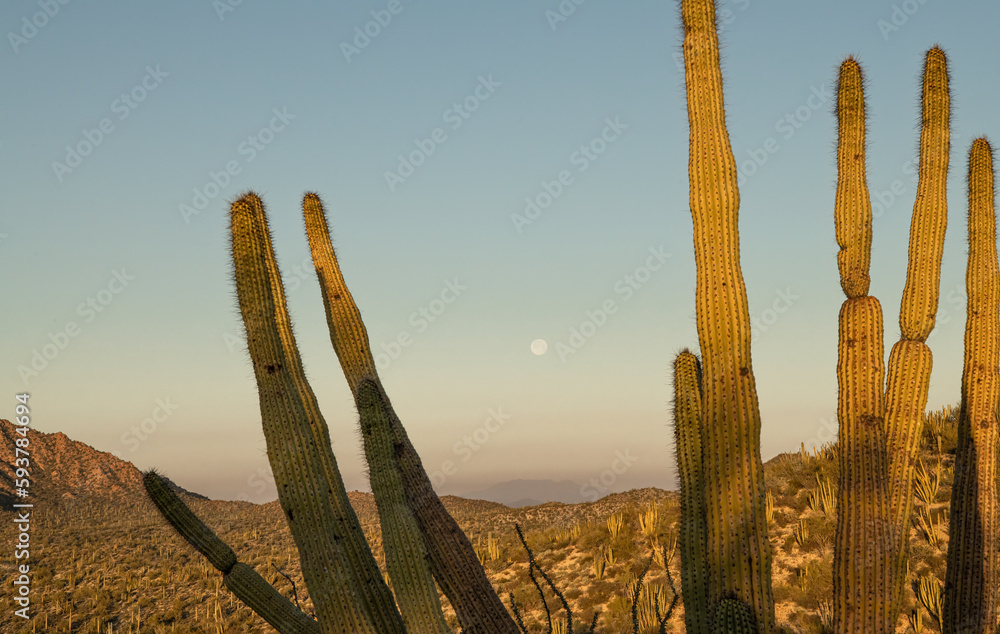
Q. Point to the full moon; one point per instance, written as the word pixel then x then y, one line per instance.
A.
pixel 538 346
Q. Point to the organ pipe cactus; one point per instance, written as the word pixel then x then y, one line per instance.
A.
pixel 690 468
pixel 880 428
pixel 737 553
pixel 970 590
pixel 420 537
pixel 450 554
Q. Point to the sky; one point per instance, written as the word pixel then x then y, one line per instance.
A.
pixel 494 174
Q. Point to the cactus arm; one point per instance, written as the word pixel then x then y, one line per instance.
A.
pixel 452 558
pixel 971 578
pixel 910 362
pixel 862 550
pixel 412 582
pixel 739 553
pixel 343 579
pixel 687 440
pixel 240 578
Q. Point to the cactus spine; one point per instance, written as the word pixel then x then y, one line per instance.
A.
pixel 970 591
pixel 880 430
pixel 734 484
pixel 451 556
pixel 690 468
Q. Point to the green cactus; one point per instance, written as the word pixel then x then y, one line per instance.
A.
pixel 732 616
pixel 404 548
pixel 451 555
pixel 240 578
pixel 971 579
pixel 310 490
pixel 735 514
pixel 690 467
pixel 880 427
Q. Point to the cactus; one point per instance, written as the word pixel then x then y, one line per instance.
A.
pixel 452 558
pixel 244 582
pixel 880 427
pixel 310 490
pixel 970 591
pixel 687 440
pixel 732 616
pixel 735 516
pixel 414 587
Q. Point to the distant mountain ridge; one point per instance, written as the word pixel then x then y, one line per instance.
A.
pixel 518 493
pixel 64 468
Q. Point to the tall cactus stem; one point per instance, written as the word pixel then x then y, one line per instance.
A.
pixel 452 559
pixel 739 553
pixel 347 588
pixel 971 579
pixel 405 555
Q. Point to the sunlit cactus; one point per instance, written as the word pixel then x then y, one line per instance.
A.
pixel 970 587
pixel 880 426
pixel 735 509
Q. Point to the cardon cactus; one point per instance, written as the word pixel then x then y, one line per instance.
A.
pixel 690 469
pixel 421 539
pixel 880 427
pixel 737 553
pixel 970 588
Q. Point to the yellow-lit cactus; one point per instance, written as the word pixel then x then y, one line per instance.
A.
pixel 735 515
pixel 880 427
pixel 970 590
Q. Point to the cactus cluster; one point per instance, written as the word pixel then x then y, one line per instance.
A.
pixel 423 543
pixel 880 425
pixel 725 510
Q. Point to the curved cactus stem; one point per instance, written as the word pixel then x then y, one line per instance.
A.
pixel 972 576
pixel 340 571
pixel 738 550
pixel 241 579
pixel 910 363
pixel 452 558
pixel 405 555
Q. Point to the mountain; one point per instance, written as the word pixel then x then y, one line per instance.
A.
pixel 64 468
pixel 518 493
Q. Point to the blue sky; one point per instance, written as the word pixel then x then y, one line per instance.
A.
pixel 426 128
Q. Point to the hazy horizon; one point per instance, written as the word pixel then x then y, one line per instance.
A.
pixel 129 129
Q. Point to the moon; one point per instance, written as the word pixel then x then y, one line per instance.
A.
pixel 538 346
